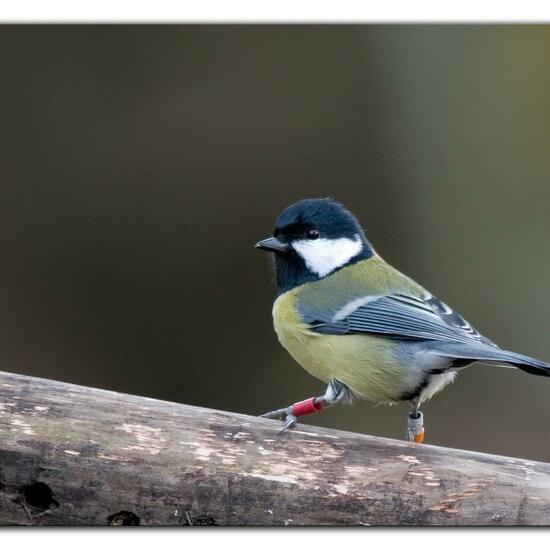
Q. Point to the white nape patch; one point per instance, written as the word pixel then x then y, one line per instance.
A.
pixel 350 307
pixel 323 256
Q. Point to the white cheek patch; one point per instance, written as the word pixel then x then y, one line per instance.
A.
pixel 323 256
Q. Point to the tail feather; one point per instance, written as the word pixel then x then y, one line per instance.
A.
pixel 489 354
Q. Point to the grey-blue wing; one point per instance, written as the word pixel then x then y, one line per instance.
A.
pixel 444 331
pixel 400 316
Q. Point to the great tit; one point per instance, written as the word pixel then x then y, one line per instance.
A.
pixel 361 326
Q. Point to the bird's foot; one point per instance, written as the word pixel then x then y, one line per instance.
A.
pixel 290 414
pixel 415 428
pixel 336 393
pixel 283 414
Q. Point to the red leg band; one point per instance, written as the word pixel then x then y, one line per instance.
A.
pixel 306 407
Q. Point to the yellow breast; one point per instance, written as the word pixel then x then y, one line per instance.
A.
pixel 367 364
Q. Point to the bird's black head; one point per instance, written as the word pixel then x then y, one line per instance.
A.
pixel 312 239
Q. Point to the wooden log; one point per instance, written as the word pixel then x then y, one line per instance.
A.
pixel 71 455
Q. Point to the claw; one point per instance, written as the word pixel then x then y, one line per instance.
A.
pixel 279 414
pixel 290 422
pixel 282 414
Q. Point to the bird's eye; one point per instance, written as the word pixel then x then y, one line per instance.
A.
pixel 312 234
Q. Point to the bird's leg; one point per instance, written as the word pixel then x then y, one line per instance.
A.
pixel 336 392
pixel 415 429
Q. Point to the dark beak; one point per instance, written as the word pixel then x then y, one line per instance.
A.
pixel 272 245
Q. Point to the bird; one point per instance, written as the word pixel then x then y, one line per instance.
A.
pixel 361 326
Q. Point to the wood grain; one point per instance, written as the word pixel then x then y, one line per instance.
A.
pixel 71 455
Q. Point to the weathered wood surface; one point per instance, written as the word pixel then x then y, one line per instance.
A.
pixel 71 455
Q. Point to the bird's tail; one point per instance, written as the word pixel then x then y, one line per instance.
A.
pixel 493 355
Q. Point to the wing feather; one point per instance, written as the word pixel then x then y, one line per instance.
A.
pixel 405 317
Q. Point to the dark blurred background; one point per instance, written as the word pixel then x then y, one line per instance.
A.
pixel 139 165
